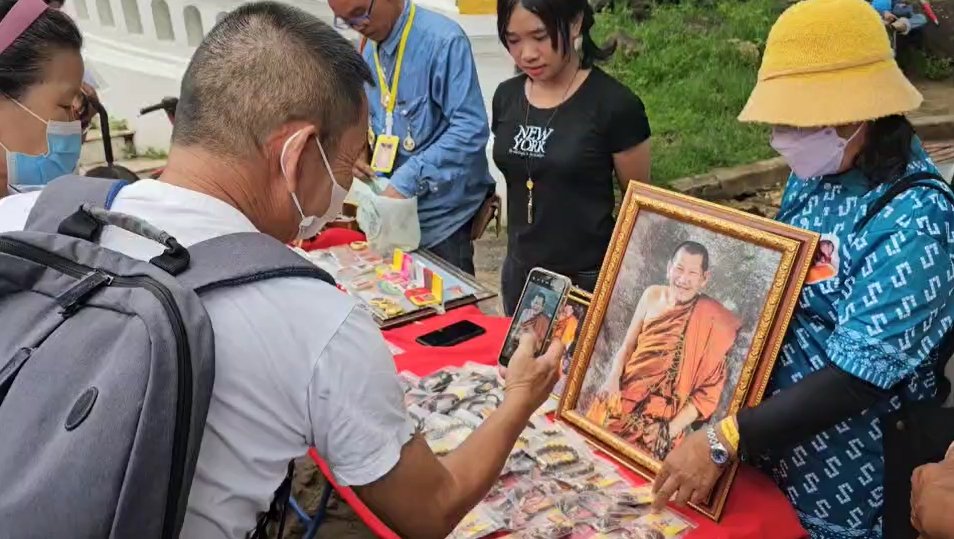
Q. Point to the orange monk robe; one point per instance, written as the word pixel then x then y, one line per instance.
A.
pixel 538 324
pixel 565 330
pixel 708 331
pixel 820 272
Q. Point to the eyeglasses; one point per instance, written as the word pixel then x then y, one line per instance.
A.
pixel 349 23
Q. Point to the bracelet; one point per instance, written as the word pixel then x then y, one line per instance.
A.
pixel 436 382
pixel 478 403
pixel 443 402
pixel 485 387
pixel 731 433
pixel 553 456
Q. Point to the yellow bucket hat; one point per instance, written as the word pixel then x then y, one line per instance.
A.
pixel 828 62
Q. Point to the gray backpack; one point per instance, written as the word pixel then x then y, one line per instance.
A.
pixel 106 366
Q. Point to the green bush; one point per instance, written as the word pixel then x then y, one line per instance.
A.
pixel 693 65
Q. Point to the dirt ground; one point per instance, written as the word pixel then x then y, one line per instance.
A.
pixel 342 523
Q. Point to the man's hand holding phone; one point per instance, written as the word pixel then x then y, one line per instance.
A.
pixel 529 379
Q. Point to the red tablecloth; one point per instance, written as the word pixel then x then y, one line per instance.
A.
pixel 331 237
pixel 755 509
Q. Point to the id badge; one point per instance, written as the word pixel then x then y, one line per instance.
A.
pixel 385 152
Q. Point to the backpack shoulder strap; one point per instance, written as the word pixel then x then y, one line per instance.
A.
pixel 918 179
pixel 241 258
pixel 61 198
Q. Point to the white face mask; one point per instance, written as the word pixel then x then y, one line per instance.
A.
pixel 310 225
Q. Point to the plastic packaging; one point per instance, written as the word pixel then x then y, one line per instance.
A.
pixel 437 382
pixel 670 524
pixel 633 496
pixel 480 522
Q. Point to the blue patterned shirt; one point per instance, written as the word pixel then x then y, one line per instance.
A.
pixel 876 308
pixel 440 107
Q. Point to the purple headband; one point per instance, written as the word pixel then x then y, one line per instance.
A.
pixel 18 19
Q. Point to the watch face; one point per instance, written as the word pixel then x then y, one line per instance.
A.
pixel 719 456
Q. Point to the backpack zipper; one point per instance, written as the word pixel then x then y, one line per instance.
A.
pixel 180 438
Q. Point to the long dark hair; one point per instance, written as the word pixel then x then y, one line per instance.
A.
pixel 886 152
pixel 558 16
pixel 21 64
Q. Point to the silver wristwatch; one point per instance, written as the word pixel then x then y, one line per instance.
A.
pixel 717 451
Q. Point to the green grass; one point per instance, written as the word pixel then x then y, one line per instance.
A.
pixel 694 66
pixel 922 64
pixel 153 153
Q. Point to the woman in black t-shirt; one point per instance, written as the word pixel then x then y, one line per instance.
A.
pixel 562 130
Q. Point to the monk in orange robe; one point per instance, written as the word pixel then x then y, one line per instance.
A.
pixel 670 371
pixel 824 266
pixel 534 318
pixel 566 326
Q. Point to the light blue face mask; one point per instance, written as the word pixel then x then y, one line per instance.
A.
pixel 64 141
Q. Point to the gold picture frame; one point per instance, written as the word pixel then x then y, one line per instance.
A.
pixel 795 249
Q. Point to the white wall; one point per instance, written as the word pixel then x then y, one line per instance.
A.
pixel 138 69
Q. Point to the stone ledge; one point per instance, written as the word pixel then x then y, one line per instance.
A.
pixel 734 182
pixel 934 127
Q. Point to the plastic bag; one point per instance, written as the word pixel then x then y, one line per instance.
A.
pixel 633 496
pixel 550 524
pixel 388 223
pixel 671 525
pixel 437 382
pixel 444 434
pixel 480 522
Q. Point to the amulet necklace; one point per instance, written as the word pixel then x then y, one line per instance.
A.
pixel 526 122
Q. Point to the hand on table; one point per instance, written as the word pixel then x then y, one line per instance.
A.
pixel 687 474
pixel 530 379
pixel 932 497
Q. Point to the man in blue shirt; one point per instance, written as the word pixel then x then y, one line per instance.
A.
pixel 438 127
pixel 899 15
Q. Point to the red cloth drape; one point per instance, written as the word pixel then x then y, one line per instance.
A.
pixel 755 509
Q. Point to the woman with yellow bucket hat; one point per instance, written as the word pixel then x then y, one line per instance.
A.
pixel 864 338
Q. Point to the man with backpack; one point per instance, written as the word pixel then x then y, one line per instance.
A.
pixel 111 423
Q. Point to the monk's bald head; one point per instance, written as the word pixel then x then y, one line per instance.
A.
pixel 688 271
pixel 693 248
pixel 264 65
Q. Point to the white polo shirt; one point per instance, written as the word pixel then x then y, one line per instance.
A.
pixel 297 364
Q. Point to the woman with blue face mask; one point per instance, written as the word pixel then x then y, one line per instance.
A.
pixel 865 342
pixel 41 71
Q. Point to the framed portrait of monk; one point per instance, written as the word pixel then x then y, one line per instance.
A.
pixel 684 326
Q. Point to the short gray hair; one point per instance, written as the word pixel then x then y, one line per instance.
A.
pixel 263 65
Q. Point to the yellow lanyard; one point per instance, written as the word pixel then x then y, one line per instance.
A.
pixel 390 95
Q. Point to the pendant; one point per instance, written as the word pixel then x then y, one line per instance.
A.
pixel 385 98
pixel 529 201
pixel 409 143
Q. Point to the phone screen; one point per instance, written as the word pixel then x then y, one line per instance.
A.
pixel 542 295
pixel 455 333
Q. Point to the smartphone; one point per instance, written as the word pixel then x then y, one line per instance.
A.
pixel 543 296
pixel 455 333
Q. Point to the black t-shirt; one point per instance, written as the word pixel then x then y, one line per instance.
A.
pixel 571 163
